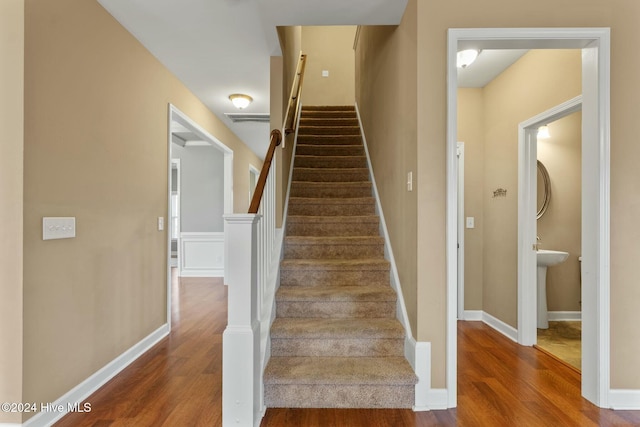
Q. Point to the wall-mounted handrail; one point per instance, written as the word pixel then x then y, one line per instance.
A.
pixel 289 126
pixel 294 99
pixel 276 139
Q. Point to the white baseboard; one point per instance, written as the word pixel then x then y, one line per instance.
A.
pixel 86 388
pixel 438 399
pixel 473 315
pixel 10 425
pixel 497 324
pixel 624 399
pixel 564 316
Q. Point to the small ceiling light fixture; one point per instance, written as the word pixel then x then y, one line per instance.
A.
pixel 466 57
pixel 240 101
pixel 543 132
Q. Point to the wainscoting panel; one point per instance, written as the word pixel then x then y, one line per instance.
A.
pixel 202 254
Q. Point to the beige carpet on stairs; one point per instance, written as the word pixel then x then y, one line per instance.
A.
pixel 335 342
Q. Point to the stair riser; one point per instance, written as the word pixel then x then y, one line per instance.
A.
pixel 329 114
pixel 331 162
pixel 320 175
pixel 328 121
pixel 329 347
pixel 336 309
pixel 345 191
pixel 330 150
pixel 323 278
pixel 329 140
pixel 339 396
pixel 332 210
pixel 321 251
pixel 328 130
pixel 333 229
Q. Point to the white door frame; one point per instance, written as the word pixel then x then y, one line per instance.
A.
pixel 176 229
pixel 595 45
pixel 527 210
pixel 461 228
pixel 180 119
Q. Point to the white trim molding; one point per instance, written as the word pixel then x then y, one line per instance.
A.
pixel 564 316
pixel 624 399
pixel 87 387
pixel 202 254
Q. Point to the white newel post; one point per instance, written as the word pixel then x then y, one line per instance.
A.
pixel 241 339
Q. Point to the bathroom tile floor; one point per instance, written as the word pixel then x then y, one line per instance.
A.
pixel 562 340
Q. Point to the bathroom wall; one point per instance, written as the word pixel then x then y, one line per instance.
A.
pixel 560 227
pixel 471 133
pixel 540 80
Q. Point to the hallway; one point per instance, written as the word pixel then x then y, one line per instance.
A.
pixel 179 382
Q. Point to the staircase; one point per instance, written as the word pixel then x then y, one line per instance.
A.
pixel 335 342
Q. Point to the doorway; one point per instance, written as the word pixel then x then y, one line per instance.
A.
pixel 185 132
pixel 595 45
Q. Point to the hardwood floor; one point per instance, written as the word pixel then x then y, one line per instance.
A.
pixel 179 382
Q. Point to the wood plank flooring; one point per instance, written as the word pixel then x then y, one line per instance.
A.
pixel 179 382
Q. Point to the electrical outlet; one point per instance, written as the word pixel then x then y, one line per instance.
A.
pixel 325 73
pixel 160 223
pixel 58 228
pixel 471 222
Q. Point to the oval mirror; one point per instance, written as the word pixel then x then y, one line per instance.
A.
pixel 544 189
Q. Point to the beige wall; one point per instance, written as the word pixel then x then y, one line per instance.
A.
pixel 434 18
pixel 524 90
pixel 11 193
pixel 471 133
pixel 560 227
pixel 96 110
pixel 386 97
pixel 329 48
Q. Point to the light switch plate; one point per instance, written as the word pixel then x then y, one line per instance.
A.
pixel 325 73
pixel 410 181
pixel 58 227
pixel 160 223
pixel 471 222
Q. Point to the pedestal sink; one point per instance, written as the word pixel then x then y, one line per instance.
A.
pixel 546 258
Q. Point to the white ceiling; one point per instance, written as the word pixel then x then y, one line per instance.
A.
pixel 220 47
pixel 489 64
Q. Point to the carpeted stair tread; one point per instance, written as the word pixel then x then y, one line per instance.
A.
pixel 336 328
pixel 311 189
pixel 334 240
pixel 332 200
pixel 307 108
pixel 329 150
pixel 339 371
pixel 330 161
pixel 329 139
pixel 329 121
pixel 327 219
pixel 330 174
pixel 329 130
pixel 335 264
pixel 336 294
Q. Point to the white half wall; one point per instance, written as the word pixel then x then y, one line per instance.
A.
pixel 202 254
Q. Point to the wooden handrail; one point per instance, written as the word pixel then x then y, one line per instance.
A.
pixel 276 139
pixel 289 126
pixel 294 99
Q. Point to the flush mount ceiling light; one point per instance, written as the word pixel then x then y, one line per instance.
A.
pixel 466 57
pixel 543 132
pixel 240 100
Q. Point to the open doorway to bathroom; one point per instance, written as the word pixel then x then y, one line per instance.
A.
pixel 558 230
